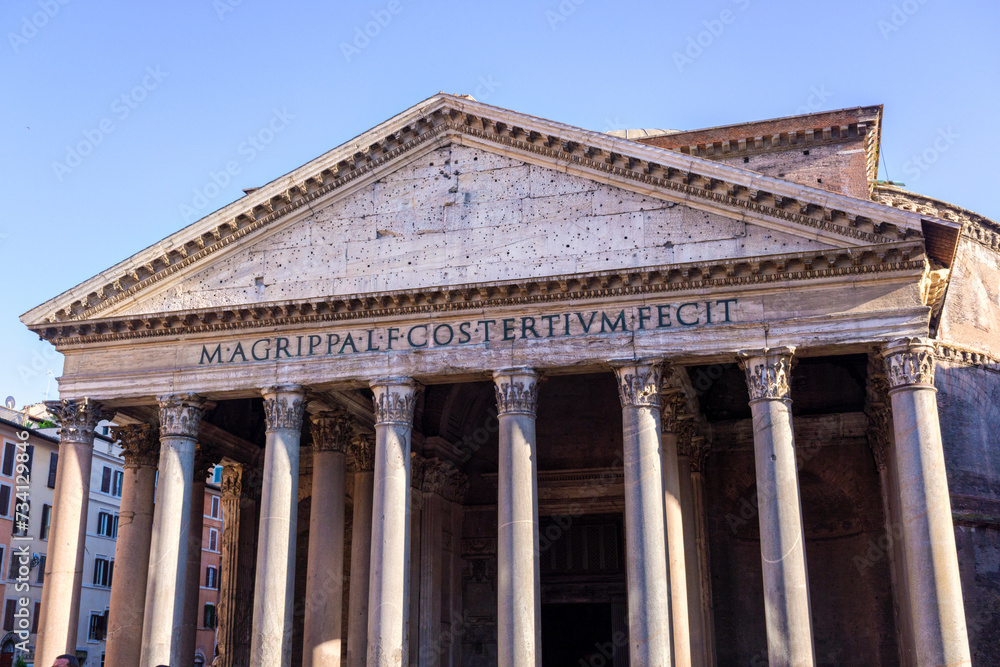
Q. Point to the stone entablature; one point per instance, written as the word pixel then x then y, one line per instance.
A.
pixel 655 172
pixel 974 226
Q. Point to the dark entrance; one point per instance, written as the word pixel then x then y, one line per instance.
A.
pixel 583 591
pixel 577 635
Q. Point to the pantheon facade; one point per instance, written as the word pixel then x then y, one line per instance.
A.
pixel 489 389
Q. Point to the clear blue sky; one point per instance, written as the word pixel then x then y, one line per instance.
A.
pixel 200 76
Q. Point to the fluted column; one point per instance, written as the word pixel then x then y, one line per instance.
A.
pixel 388 595
pixel 519 620
pixel 321 646
pixel 140 448
pixel 180 418
pixel 673 411
pixel 363 453
pixel 189 631
pixel 645 523
pixel 931 559
pixel 60 608
pixel 275 584
pixel 782 541
pixel 240 496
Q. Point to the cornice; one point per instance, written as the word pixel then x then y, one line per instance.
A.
pixel 856 221
pixel 975 227
pixel 668 278
pixel 966 356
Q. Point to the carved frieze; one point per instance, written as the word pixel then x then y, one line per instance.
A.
pixel 516 391
pixel 140 444
pixel 284 408
pixel 878 409
pixel 673 409
pixel 77 419
pixel 180 415
pixel 638 384
pixel 909 362
pixel 768 373
pixel 232 481
pixel 395 401
pixel 331 431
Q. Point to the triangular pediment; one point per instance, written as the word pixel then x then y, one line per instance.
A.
pixel 454 192
pixel 458 215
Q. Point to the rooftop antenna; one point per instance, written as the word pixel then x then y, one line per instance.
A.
pixel 10 402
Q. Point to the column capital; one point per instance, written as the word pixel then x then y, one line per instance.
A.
pixel 638 382
pixel 395 400
pixel 516 390
pixel 284 407
pixel 78 419
pixel 232 481
pixel 363 452
pixel 180 415
pixel 140 444
pixel 672 410
pixel 331 431
pixel 909 362
pixel 768 372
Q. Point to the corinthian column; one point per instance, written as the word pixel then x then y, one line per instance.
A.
pixel 180 417
pixel 645 540
pixel 782 543
pixel 321 644
pixel 363 453
pixel 189 632
pixel 140 449
pixel 519 620
pixel 931 559
pixel 389 586
pixel 275 586
pixel 240 495
pixel 673 412
pixel 60 608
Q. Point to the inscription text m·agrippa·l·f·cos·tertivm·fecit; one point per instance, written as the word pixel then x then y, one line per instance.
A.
pixel 429 335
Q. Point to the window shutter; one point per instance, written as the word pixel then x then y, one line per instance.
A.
pixel 8 616
pixel 106 480
pixel 5 500
pixel 34 621
pixel 53 465
pixel 8 459
pixel 31 456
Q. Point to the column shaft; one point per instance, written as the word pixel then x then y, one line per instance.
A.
pixel 321 644
pixel 275 577
pixel 388 603
pixel 782 541
pixel 192 586
pixel 645 522
pixel 931 558
pixel 671 418
pixel 699 518
pixel 140 448
pixel 363 451
pixel 519 620
pixel 240 495
pixel 60 607
pixel 180 417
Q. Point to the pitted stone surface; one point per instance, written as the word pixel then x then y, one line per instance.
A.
pixel 460 215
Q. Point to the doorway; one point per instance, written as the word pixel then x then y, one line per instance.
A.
pixel 577 635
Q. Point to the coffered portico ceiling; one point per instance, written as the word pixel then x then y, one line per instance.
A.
pixel 814 231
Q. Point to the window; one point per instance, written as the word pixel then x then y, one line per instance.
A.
pixel 217 475
pixel 117 481
pixel 211 578
pixel 15 564
pixel 103 571
pixel 213 539
pixel 1 559
pixel 34 618
pixel 209 616
pixel 9 448
pixel 107 524
pixel 4 500
pixel 215 507
pixel 46 521
pixel 22 510
pixel 8 615
pixel 98 626
pixel 106 480
pixel 53 465
pixel 40 575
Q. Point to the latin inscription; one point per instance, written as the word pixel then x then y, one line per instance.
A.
pixel 472 332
